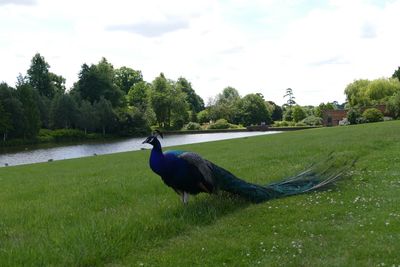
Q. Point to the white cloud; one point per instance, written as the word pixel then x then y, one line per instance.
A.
pixel 152 29
pixel 213 44
pixel 17 2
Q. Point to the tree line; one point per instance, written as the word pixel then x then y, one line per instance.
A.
pixel 106 100
pixel 362 94
pixel 118 101
pixel 362 99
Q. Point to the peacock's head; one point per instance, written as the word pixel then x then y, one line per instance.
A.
pixel 152 139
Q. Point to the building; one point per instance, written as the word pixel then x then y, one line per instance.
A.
pixel 332 117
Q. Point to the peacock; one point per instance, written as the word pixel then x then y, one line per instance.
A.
pixel 189 174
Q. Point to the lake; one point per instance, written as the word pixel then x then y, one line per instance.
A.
pixel 132 144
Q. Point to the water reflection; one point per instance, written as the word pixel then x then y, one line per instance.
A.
pixel 84 150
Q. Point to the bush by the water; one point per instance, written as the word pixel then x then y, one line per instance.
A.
pixel 283 123
pixel 312 121
pixel 59 135
pixel 372 115
pixel 309 121
pixel 223 124
pixel 192 126
pixel 300 124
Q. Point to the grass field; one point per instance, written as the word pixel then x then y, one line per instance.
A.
pixel 112 210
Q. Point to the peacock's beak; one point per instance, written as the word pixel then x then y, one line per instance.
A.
pixel 148 140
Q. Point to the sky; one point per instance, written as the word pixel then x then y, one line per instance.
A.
pixel 256 46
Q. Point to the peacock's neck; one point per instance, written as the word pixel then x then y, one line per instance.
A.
pixel 157 160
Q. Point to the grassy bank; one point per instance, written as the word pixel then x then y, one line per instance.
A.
pixel 112 210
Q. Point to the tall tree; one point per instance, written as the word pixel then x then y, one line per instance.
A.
pixel 379 90
pixel 364 93
pixel 38 76
pixel 13 106
pixel 44 105
pixel 396 74
pixel 132 122
pixel 43 101
pixel 276 111
pixel 168 103
pixel 26 95
pixel 179 108
pixel 319 110
pixel 107 84
pixel 290 97
pixel 97 81
pixel 298 113
pixel 105 114
pixel 225 106
pixel 160 100
pixel 88 118
pixel 253 110
pixel 138 95
pixel 57 83
pixel 86 86
pixel 229 94
pixel 64 112
pixel 355 93
pixel 5 122
pixel 196 103
pixel 126 77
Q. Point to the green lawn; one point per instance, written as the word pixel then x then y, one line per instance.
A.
pixel 112 210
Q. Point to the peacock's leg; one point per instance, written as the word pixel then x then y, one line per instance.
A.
pixel 185 197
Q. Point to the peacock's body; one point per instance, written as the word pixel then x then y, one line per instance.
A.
pixel 188 173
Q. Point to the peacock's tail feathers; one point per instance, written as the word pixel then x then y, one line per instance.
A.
pixel 317 176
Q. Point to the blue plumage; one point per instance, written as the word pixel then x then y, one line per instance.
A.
pixel 188 173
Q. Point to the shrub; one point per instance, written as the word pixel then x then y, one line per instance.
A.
pixel 298 113
pixel 344 122
pixel 192 126
pixel 313 120
pixel 288 115
pixel 393 105
pixel 361 120
pixel 223 124
pixel 284 123
pixel 60 135
pixel 300 123
pixel 353 115
pixel 203 116
pixel 277 123
pixel 177 124
pixel 373 115
pixel 220 124
pixel 387 118
pixel 235 126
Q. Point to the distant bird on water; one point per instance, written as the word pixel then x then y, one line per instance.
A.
pixel 188 173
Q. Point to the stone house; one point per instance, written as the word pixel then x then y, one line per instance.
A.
pixel 332 117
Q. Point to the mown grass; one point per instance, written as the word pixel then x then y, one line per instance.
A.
pixel 112 210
